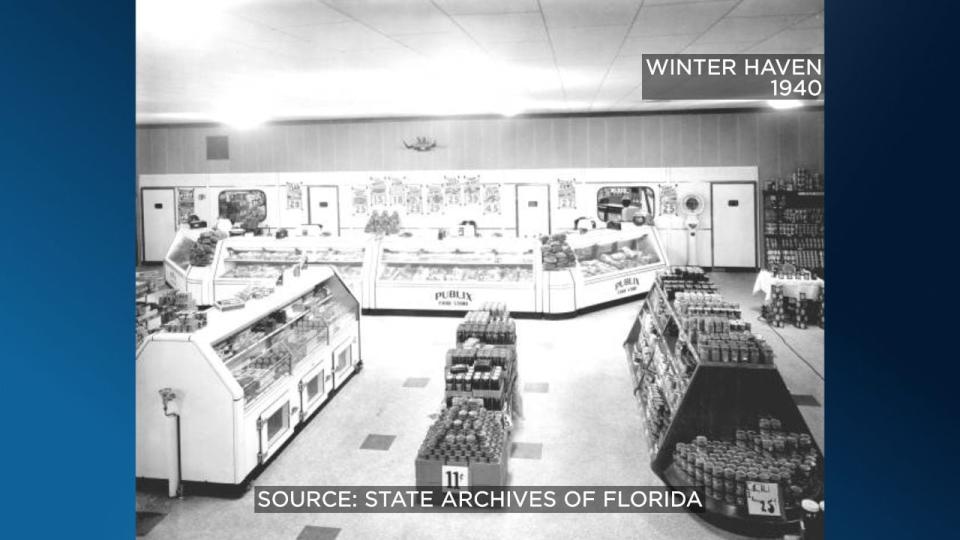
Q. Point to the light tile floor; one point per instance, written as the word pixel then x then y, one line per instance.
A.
pixel 587 425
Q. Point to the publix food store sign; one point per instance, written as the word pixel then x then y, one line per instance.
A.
pixel 453 298
pixel 627 285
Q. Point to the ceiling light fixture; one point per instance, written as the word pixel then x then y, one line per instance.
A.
pixel 782 104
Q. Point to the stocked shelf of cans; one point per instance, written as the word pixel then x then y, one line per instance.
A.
pixel 793 220
pixel 699 371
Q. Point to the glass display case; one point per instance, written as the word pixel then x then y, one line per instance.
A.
pixel 183 276
pixel 244 261
pixel 179 252
pixel 454 273
pixel 615 264
pixel 271 348
pixel 258 262
pixel 245 380
pixel 346 259
pixel 613 253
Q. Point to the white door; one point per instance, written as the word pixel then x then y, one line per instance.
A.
pixel 324 208
pixel 159 222
pixel 734 225
pixel 533 211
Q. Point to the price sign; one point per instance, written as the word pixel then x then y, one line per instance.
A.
pixel 763 499
pixel 454 478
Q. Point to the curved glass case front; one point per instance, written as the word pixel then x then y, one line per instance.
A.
pixel 268 350
pixel 609 255
pixel 463 263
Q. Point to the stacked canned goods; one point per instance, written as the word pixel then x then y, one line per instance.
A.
pixel 465 432
pixel 497 332
pixel 767 454
pixel 742 348
pixel 774 311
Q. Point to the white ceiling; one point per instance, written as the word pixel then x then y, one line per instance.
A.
pixel 255 60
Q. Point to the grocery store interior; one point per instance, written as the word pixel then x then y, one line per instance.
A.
pixel 447 245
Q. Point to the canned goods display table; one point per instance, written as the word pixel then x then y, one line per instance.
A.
pixel 791 287
pixel 717 415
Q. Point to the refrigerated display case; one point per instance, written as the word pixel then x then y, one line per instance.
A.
pixel 261 260
pixel 457 274
pixel 239 387
pixel 183 276
pixel 615 264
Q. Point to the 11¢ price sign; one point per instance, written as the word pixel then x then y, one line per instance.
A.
pixel 454 478
pixel 763 499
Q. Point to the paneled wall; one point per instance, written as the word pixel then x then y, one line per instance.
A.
pixel 775 141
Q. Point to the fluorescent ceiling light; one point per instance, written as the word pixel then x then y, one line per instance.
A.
pixel 785 103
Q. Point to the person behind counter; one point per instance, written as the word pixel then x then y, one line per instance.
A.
pixel 626 215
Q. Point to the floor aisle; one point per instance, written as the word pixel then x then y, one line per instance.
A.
pixel 580 427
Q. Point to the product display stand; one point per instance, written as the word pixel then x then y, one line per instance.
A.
pixel 686 395
pixel 468 445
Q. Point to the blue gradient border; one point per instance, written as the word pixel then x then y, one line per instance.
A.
pixel 891 385
pixel 67 164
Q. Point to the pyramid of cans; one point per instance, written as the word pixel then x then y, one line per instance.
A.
pixel 767 454
pixel 483 365
pixel 465 432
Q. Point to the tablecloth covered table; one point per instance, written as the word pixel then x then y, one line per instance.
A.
pixel 791 287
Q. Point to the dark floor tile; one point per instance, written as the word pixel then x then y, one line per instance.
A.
pixel 536 387
pixel 146 521
pixel 523 450
pixel 377 442
pixel 416 382
pixel 318 533
pixel 805 400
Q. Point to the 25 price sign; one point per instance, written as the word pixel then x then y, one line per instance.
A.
pixel 454 478
pixel 763 499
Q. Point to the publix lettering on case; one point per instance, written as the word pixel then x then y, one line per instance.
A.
pixel 453 297
pixel 627 285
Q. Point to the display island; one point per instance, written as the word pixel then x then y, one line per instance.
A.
pixel 215 405
pixel 717 415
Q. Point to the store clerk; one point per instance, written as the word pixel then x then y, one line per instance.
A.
pixel 626 215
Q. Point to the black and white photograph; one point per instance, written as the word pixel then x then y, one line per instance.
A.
pixel 479 269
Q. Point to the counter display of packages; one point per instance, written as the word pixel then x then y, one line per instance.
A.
pixel 557 276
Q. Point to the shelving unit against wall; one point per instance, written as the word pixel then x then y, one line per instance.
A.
pixel 793 212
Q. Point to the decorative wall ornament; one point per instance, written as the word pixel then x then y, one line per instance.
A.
pixel 668 199
pixel 361 204
pixel 451 190
pixel 434 199
pixel 294 195
pixel 396 191
pixel 413 201
pixel 378 193
pixel 422 144
pixel 567 193
pixel 491 199
pixel 471 190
